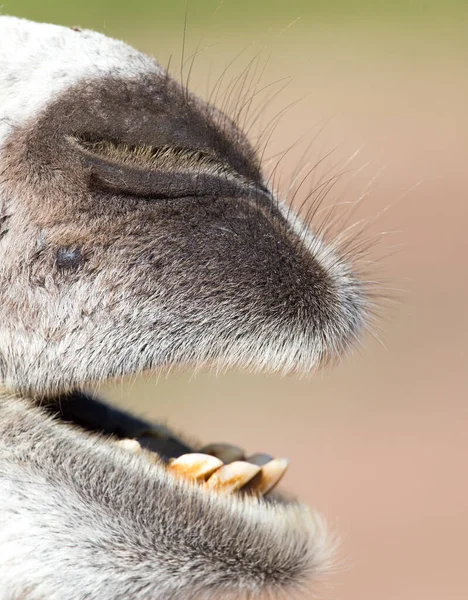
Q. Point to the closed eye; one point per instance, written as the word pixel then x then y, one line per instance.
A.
pixel 159 173
pixel 155 158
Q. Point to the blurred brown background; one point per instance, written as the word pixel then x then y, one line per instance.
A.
pixel 378 444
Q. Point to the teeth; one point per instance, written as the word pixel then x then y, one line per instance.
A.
pixel 224 452
pixel 259 459
pixel 257 474
pixel 195 466
pixel 131 445
pixel 233 476
pixel 270 475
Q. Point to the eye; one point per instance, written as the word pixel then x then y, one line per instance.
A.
pixel 69 258
pixel 159 173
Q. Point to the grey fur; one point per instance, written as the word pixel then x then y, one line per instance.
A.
pixel 82 518
pixel 136 231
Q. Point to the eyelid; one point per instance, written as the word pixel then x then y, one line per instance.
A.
pixel 161 173
pixel 153 157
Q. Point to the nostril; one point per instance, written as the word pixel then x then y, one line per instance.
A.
pixel 69 258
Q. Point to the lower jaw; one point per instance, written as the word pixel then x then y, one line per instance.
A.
pixel 220 467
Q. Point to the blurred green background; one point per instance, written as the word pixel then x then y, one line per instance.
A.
pixel 229 14
pixel 255 19
pixel 378 444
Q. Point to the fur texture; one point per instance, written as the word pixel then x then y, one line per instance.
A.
pixel 164 248
pixel 136 232
pixel 82 518
pixel 39 61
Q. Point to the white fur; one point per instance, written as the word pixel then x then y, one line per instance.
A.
pixel 82 518
pixel 31 77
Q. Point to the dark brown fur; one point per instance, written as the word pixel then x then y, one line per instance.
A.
pixel 198 246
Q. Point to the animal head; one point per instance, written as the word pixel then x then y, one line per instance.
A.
pixel 137 228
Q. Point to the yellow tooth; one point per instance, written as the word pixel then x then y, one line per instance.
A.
pixel 224 452
pixel 131 445
pixel 195 466
pixel 233 476
pixel 270 475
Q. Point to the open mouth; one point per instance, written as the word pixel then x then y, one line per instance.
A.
pixel 218 467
